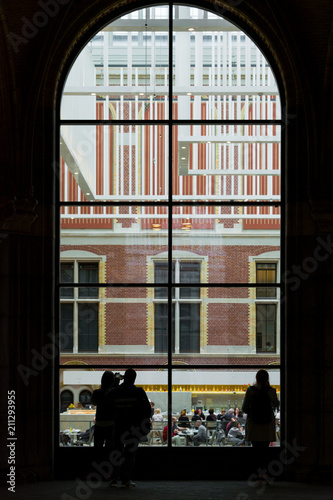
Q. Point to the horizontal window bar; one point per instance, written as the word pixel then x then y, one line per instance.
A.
pixel 171 122
pixel 172 367
pixel 167 203
pixel 172 285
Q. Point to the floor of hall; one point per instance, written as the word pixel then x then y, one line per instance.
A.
pixel 169 490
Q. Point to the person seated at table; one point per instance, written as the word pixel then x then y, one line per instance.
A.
pixel 184 420
pixel 235 434
pixel 65 440
pixel 211 415
pixel 176 441
pixel 221 416
pixel 195 416
pixel 157 417
pixel 201 414
pixel 230 415
pixel 220 437
pixel 241 418
pixel 83 437
pixel 201 436
pixel 157 426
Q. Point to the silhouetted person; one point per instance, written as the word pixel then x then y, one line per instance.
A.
pixel 132 413
pixel 104 422
pixel 259 402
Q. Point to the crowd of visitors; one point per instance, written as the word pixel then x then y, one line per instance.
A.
pixel 125 418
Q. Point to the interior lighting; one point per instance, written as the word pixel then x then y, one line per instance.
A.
pixel 93 93
pixel 190 29
pixel 186 226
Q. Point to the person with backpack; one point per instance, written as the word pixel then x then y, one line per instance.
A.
pixel 259 403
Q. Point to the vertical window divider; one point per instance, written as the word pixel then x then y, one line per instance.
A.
pixel 170 145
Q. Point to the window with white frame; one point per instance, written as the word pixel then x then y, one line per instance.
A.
pixel 186 305
pixel 79 307
pixel 266 312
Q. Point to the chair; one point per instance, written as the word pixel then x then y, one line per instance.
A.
pixel 211 430
pixel 89 442
pixel 156 432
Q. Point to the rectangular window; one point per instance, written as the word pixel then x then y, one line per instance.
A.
pixel 88 273
pixel 186 315
pixel 161 276
pixel 189 273
pixel 88 327
pixel 78 313
pixel 266 327
pixel 161 328
pixel 189 326
pixel 266 273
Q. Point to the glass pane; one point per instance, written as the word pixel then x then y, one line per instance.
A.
pixel 219 73
pixel 88 273
pixel 189 327
pixel 77 420
pixel 226 163
pixel 113 163
pixel 120 328
pixel 122 73
pixel 266 273
pixel 189 273
pixel 226 326
pixel 266 327
pixel 215 397
pixel 127 239
pixel 66 326
pixel 220 244
pixel 161 276
pixel 88 323
pixel 66 276
pixel 162 328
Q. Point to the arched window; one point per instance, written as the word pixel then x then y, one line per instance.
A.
pixel 66 399
pixel 85 398
pixel 170 171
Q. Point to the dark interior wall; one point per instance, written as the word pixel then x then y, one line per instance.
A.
pixel 38 41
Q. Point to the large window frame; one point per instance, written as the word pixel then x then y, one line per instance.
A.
pixel 172 283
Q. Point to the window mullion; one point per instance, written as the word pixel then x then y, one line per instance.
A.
pixel 177 327
pixel 75 327
pixel 170 146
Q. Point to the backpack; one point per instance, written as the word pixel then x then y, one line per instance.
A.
pixel 261 406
